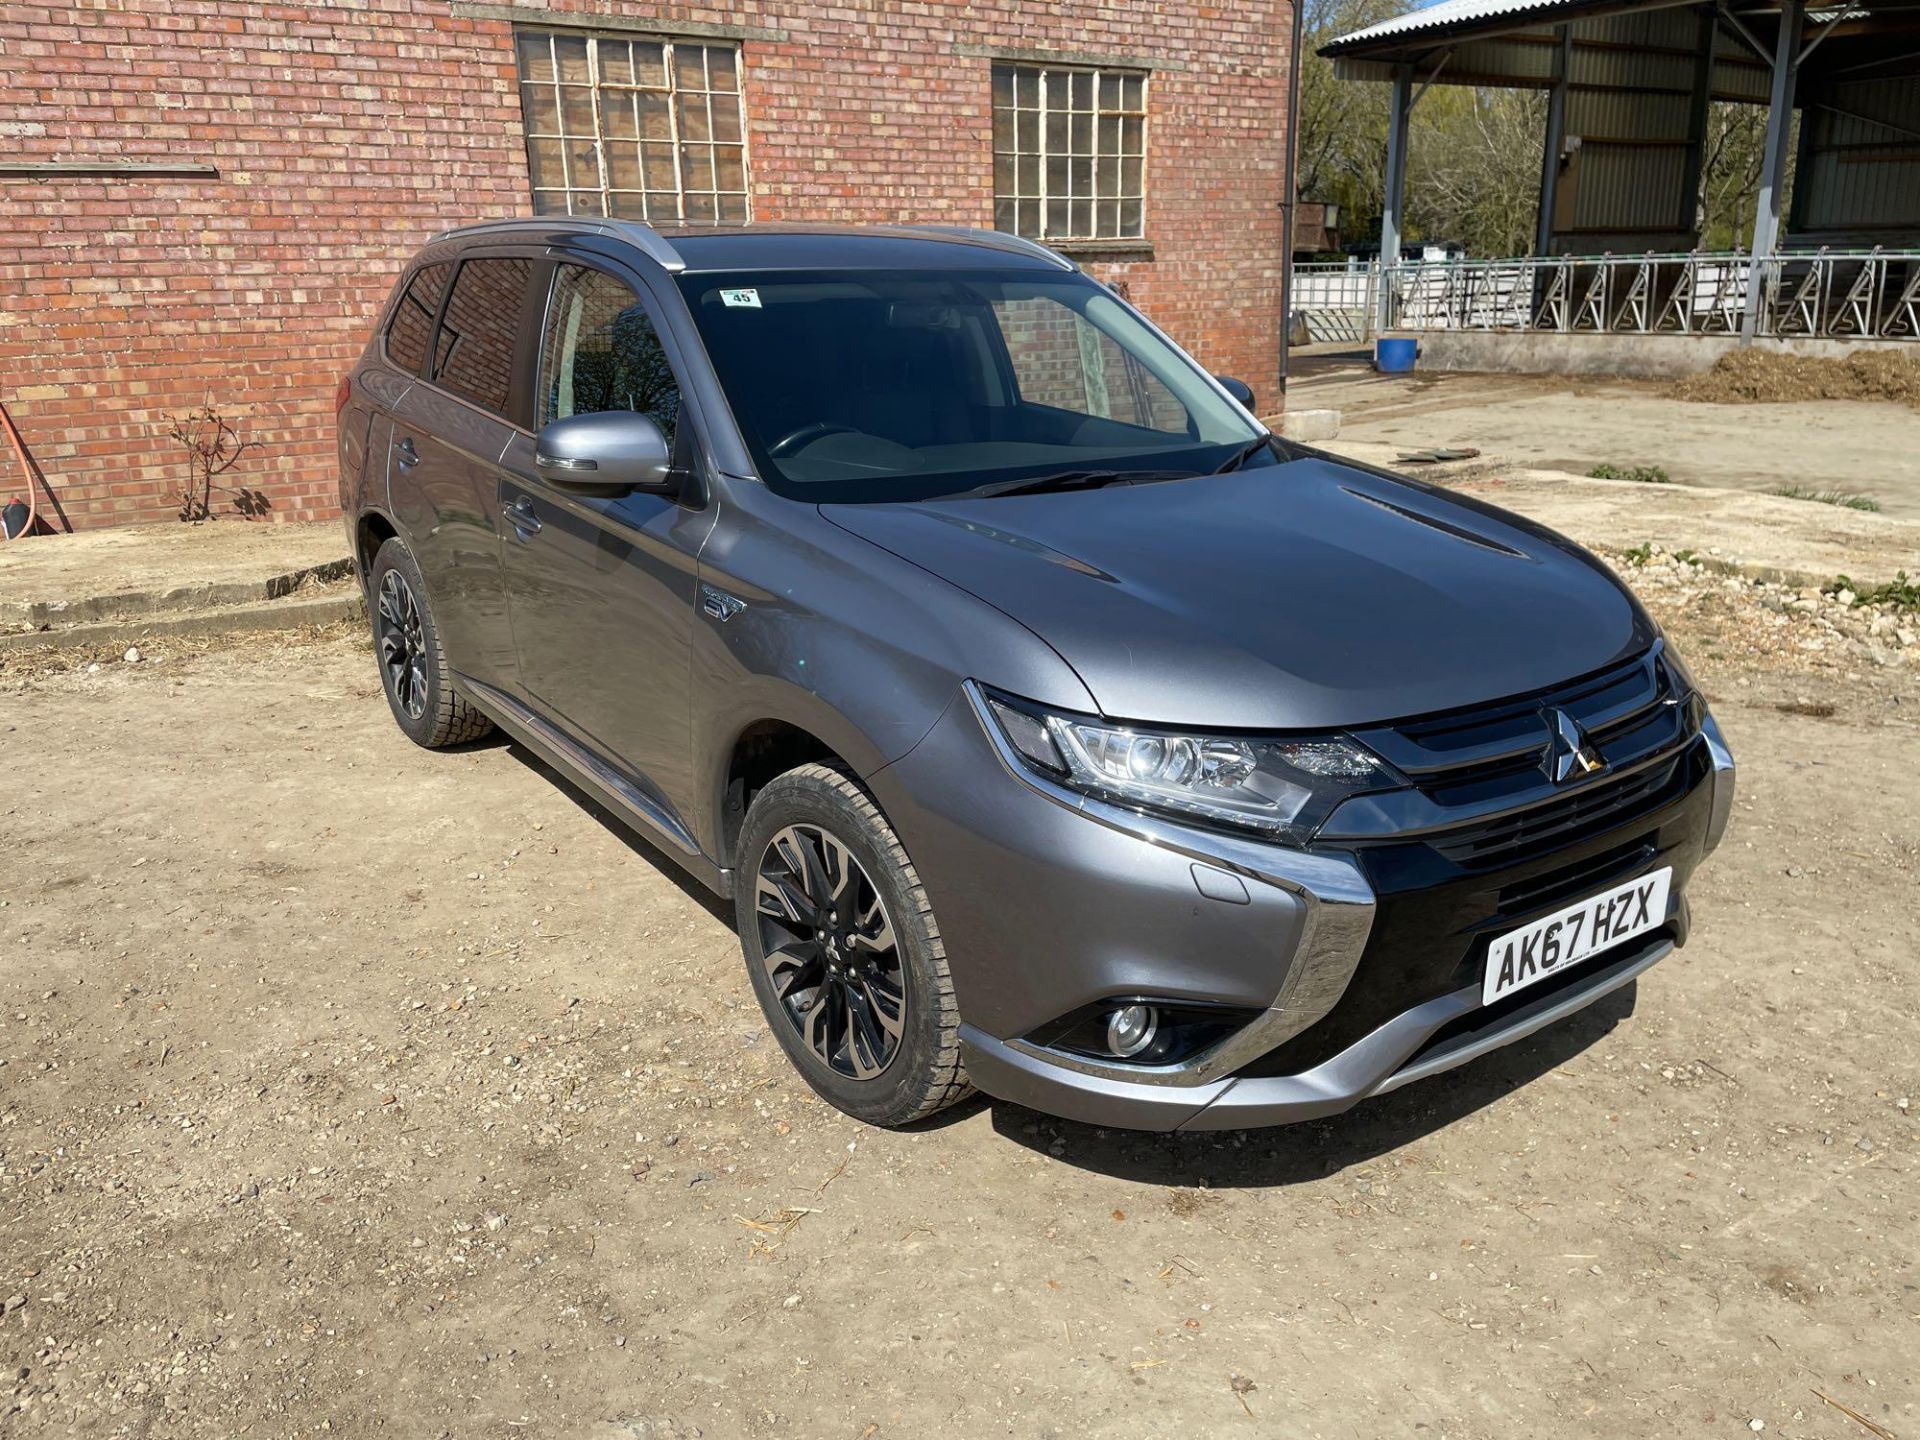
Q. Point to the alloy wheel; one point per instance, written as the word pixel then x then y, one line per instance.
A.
pixel 403 653
pixel 830 951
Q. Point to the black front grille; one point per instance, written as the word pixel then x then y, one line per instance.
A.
pixel 1435 915
pixel 1557 822
pixel 1486 774
pixel 1566 883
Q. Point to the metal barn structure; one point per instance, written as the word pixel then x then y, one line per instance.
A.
pixel 1629 83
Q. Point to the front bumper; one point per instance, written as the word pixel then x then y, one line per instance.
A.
pixel 1363 965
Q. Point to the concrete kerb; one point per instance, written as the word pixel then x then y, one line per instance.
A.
pixel 257 616
pixel 130 605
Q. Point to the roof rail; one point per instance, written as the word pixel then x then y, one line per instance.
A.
pixel 645 237
pixel 999 240
pixel 642 237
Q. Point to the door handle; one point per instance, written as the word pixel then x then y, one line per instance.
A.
pixel 520 515
pixel 403 448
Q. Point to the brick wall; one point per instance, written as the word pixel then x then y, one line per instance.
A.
pixel 344 134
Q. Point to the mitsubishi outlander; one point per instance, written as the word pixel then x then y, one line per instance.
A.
pixel 1054 727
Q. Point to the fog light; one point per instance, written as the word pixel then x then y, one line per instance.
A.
pixel 1131 1029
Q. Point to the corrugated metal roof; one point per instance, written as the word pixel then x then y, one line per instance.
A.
pixel 1446 13
pixel 1455 14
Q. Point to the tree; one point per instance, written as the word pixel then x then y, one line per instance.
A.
pixel 1735 154
pixel 1343 123
pixel 1474 168
pixel 1473 155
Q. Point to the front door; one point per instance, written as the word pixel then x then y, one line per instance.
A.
pixel 602 591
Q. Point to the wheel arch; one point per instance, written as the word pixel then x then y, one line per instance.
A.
pixel 769 745
pixel 371 530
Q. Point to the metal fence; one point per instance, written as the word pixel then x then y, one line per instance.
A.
pixel 1823 294
pixel 1334 302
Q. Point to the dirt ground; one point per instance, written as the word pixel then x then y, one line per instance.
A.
pixel 351 1089
pixel 1558 423
pixel 1764 377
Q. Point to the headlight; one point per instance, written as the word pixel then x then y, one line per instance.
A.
pixel 1282 787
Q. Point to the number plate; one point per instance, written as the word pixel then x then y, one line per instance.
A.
pixel 1530 954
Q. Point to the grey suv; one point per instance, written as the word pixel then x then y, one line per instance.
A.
pixel 1054 727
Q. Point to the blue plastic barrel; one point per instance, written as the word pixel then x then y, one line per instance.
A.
pixel 1394 355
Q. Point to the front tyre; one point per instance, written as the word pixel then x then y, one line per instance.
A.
pixel 413 671
pixel 843 951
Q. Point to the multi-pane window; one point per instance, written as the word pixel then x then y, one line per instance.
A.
pixel 1069 152
pixel 644 129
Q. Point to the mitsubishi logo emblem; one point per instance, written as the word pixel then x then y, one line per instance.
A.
pixel 1569 753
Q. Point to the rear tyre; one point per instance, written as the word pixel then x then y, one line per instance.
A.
pixel 843 950
pixel 413 671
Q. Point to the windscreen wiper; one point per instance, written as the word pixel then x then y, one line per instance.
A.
pixel 1073 480
pixel 1245 453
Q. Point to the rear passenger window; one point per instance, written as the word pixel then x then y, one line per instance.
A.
pixel 412 324
pixel 474 352
pixel 601 352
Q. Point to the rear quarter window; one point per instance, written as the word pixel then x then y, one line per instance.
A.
pixel 411 329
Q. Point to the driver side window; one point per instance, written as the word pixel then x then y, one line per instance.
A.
pixel 601 352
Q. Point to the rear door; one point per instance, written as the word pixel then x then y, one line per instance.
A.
pixel 602 591
pixel 449 433
pixel 366 427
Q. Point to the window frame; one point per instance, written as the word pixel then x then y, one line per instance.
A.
pixel 645 299
pixel 519 389
pixel 526 332
pixel 1045 75
pixel 596 87
pixel 413 273
pixel 691 453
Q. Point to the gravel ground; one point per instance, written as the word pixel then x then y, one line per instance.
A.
pixel 1573 423
pixel 350 1089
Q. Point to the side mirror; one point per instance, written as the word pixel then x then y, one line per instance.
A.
pixel 1238 389
pixel 609 453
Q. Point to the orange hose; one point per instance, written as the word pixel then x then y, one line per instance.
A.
pixel 32 473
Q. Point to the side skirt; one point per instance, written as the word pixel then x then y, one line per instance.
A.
pixel 645 815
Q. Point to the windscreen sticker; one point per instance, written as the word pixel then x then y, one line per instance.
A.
pixel 740 299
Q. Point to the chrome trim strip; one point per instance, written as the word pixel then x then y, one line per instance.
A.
pixel 1723 783
pixel 1338 901
pixel 1379 1062
pixel 1525 1021
pixel 551 743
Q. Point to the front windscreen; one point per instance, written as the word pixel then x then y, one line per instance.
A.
pixel 867 385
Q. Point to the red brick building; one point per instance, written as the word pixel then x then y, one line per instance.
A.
pixel 203 200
